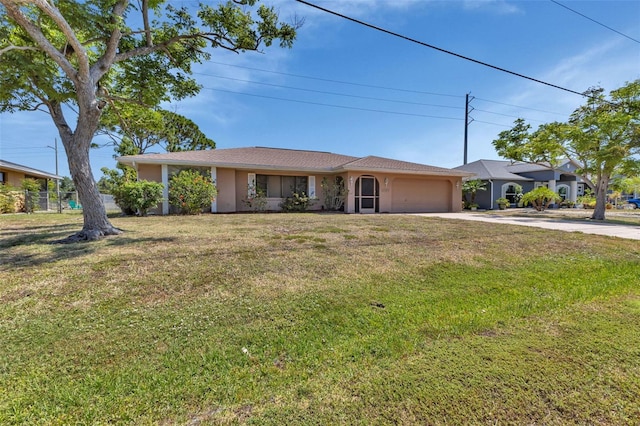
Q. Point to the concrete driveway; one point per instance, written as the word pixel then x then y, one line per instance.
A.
pixel 631 232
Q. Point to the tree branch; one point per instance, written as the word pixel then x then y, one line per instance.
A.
pixel 13 10
pixel 213 38
pixel 103 64
pixel 8 48
pixel 145 20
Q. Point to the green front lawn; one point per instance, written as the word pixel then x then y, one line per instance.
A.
pixel 316 319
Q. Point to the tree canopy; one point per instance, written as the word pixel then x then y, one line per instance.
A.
pixel 602 136
pixel 74 60
pixel 134 130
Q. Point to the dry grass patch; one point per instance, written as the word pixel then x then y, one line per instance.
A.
pixel 312 318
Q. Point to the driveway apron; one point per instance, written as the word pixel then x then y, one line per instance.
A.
pixel 631 232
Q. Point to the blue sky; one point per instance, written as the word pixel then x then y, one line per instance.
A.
pixel 348 89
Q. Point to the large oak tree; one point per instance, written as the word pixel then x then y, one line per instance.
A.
pixel 602 136
pixel 73 59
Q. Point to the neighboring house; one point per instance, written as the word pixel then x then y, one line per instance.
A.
pixel 12 174
pixel 374 184
pixel 502 177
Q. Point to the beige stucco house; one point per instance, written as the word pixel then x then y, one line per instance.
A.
pixel 374 184
pixel 12 174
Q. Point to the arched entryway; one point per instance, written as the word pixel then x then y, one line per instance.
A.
pixel 367 195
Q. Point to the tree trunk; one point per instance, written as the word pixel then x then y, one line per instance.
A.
pixel 76 145
pixel 601 198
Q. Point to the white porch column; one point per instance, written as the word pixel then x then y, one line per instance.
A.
pixel 214 203
pixel 552 186
pixel 165 191
pixel 573 190
pixel 350 194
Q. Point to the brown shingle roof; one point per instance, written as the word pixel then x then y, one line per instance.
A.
pixel 388 164
pixel 247 158
pixel 285 159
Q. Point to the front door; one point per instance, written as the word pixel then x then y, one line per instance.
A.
pixel 367 194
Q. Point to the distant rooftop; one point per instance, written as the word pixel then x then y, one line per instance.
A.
pixel 27 170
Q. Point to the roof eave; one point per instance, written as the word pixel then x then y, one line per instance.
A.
pixel 408 172
pixel 28 170
pixel 242 166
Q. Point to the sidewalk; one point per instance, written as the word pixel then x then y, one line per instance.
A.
pixel 609 229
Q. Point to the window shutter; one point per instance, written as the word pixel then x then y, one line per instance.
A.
pixel 251 185
pixel 312 187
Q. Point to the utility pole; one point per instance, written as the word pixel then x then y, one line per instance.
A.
pixel 55 148
pixel 467 120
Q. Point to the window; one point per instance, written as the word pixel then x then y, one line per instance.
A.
pixel 510 192
pixel 563 191
pixel 282 186
pixel 1 177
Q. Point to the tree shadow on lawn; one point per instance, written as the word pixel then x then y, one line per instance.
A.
pixel 36 234
pixel 48 236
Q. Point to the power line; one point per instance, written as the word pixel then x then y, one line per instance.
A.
pixel 370 86
pixel 493 124
pixel 357 21
pixel 336 81
pixel 506 115
pixel 593 20
pixel 330 93
pixel 363 97
pixel 334 106
pixel 520 106
pixel 378 110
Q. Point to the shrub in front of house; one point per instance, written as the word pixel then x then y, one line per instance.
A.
pixel 587 201
pixel 137 197
pixel 503 203
pixel 540 198
pixel 31 188
pixel 256 200
pixel 334 193
pixel 9 199
pixel 295 203
pixel 190 191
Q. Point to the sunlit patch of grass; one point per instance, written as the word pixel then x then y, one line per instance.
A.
pixel 614 216
pixel 317 319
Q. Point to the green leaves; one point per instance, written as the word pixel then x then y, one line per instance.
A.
pixel 540 198
pixel 190 191
pixel 151 61
pixel 602 136
pixel 138 129
pixel 511 143
pixel 138 196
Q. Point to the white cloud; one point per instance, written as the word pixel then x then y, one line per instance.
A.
pixel 501 7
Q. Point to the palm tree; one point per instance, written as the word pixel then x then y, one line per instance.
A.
pixel 471 187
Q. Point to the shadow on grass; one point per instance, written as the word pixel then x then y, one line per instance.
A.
pixel 47 236
pixel 36 234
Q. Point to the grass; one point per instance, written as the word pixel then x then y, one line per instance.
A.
pixel 616 216
pixel 316 319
